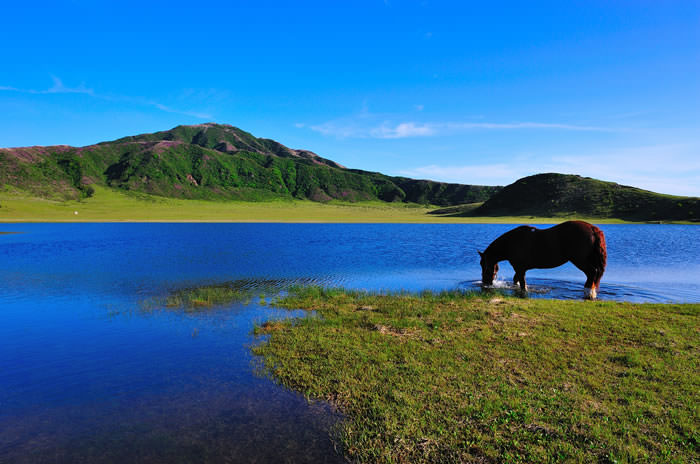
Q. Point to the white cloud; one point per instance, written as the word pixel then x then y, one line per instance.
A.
pixel 664 168
pixel 670 168
pixel 481 174
pixel 400 131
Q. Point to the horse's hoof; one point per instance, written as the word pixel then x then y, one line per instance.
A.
pixel 590 293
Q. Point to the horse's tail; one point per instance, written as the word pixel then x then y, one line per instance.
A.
pixel 599 255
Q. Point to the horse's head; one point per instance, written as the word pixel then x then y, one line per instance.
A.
pixel 489 270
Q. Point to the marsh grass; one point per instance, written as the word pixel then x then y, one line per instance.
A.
pixel 470 377
pixel 194 299
pixel 206 297
pixel 198 298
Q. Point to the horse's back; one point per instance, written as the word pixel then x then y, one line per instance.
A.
pixel 578 232
pixel 581 240
pixel 572 241
pixel 578 226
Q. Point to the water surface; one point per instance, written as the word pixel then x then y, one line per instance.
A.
pixel 86 375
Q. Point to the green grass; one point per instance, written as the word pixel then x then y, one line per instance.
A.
pixel 457 377
pixel 111 205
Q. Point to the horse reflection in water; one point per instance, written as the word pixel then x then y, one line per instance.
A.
pixel 527 247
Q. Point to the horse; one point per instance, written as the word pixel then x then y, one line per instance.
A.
pixel 528 247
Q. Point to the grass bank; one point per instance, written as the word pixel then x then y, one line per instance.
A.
pixel 108 205
pixel 471 378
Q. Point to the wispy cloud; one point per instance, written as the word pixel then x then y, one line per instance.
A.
pixel 359 128
pixel 60 88
pixel 168 109
pixel 524 125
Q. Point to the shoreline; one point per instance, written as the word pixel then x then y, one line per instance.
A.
pixel 359 220
pixel 107 205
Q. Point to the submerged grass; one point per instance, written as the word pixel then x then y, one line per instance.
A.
pixel 461 377
pixel 193 299
pixel 204 297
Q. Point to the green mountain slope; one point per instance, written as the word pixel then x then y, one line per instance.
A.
pixel 553 195
pixel 212 161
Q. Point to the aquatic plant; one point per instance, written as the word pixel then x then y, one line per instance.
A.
pixel 203 297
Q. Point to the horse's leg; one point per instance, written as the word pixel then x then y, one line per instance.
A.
pixel 519 278
pixel 596 280
pixel 592 277
pixel 589 288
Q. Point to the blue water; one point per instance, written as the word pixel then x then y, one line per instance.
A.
pixel 86 375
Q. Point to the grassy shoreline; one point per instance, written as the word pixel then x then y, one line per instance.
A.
pixel 108 205
pixel 458 377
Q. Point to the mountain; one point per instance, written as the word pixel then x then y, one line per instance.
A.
pixel 212 161
pixel 552 195
pixel 222 162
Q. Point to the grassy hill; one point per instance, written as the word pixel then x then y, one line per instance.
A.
pixel 562 195
pixel 221 162
pixel 209 162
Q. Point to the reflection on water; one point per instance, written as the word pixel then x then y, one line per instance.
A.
pixel 193 426
pixel 124 387
pixel 86 375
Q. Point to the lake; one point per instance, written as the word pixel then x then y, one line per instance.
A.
pixel 89 374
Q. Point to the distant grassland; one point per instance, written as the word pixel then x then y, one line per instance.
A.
pixel 107 205
pixel 452 377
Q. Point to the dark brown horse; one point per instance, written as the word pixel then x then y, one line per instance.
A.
pixel 527 247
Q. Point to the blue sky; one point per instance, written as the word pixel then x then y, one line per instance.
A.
pixel 469 92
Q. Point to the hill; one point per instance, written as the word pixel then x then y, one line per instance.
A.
pixel 212 161
pixel 553 195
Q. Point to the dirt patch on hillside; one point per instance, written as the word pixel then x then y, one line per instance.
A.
pixel 34 154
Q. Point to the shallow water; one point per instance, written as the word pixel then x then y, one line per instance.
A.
pixel 86 375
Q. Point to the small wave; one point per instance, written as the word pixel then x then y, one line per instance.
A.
pixel 573 290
